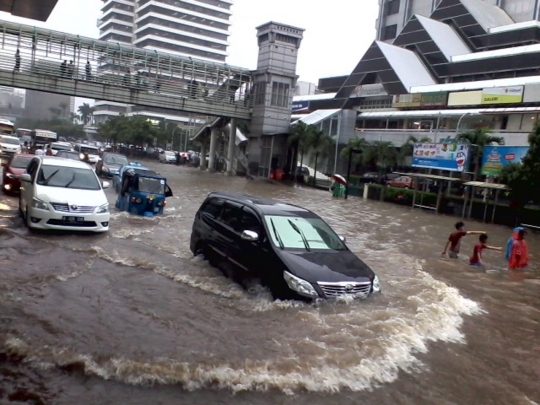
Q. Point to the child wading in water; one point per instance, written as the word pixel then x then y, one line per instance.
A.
pixel 476 258
pixel 518 257
pixel 454 240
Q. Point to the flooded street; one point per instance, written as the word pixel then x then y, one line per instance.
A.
pixel 131 317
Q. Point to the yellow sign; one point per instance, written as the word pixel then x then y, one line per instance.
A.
pixel 502 95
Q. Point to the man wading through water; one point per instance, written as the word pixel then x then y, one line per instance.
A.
pixel 454 240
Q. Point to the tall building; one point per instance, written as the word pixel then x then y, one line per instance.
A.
pixel 394 14
pixel 39 105
pixel 197 28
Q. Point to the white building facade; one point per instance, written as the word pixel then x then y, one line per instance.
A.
pixel 197 28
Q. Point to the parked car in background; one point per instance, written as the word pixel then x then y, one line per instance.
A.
pixel 401 182
pixel 167 157
pixel 9 145
pixel 110 164
pixel 293 251
pixel 63 194
pixel 302 174
pixel 13 169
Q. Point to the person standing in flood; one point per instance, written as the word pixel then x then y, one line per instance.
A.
pixel 454 240
pixel 511 242
pixel 519 252
pixel 476 258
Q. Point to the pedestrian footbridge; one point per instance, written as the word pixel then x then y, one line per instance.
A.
pixel 38 59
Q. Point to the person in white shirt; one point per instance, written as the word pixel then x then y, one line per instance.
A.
pixel 39 152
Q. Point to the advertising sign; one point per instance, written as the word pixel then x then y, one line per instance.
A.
pixel 369 90
pixel 497 157
pixel 502 95
pixel 420 99
pixel 444 156
pixel 300 106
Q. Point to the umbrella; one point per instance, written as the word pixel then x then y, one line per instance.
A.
pixel 340 179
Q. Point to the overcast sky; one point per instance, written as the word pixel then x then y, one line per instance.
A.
pixel 338 32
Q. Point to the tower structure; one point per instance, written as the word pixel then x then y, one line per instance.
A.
pixel 273 86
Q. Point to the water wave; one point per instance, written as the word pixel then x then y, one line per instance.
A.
pixel 351 347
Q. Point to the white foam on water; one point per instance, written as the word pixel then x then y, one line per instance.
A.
pixel 354 347
pixel 125 233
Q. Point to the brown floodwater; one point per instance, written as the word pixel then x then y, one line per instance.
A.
pixel 131 317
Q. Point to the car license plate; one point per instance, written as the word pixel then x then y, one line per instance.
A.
pixel 73 219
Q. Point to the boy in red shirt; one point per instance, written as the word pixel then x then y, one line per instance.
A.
pixel 476 258
pixel 454 240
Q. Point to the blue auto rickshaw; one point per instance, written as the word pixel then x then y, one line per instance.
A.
pixel 143 193
pixel 117 179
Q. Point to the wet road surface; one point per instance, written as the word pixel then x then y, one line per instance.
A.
pixel 131 317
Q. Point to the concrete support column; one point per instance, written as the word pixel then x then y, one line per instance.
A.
pixel 212 153
pixel 231 148
pixel 204 163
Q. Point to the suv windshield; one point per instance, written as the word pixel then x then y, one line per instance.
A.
pixel 317 233
pixel 89 150
pixel 9 140
pixel 20 162
pixel 115 160
pixel 68 177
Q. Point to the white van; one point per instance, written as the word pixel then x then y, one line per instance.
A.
pixel 93 152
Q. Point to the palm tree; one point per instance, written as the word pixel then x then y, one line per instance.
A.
pixel 86 112
pixel 356 144
pixel 407 148
pixel 480 137
pixel 383 154
pixel 74 117
pixel 300 138
pixel 320 143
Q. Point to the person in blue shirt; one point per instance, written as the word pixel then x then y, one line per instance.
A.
pixel 511 242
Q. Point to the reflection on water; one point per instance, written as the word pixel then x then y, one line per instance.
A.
pixel 134 307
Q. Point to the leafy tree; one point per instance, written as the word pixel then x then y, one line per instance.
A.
pixel 55 112
pixel 64 128
pixel 300 139
pixel 320 143
pixel 131 131
pixel 480 137
pixel 63 108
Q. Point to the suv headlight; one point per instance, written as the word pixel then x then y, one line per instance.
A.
pixel 41 205
pixel 103 209
pixel 376 284
pixel 302 287
pixel 105 168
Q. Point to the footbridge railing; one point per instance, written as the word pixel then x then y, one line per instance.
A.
pixel 38 59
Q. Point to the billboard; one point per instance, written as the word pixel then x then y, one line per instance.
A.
pixel 300 106
pixel 496 157
pixel 502 95
pixel 443 156
pixel 435 99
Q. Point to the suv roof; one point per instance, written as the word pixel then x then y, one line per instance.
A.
pixel 58 161
pixel 265 206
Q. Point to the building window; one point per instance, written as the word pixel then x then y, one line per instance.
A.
pixel 392 7
pixel 259 89
pixel 280 94
pixel 390 32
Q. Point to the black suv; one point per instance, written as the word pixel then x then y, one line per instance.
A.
pixel 289 248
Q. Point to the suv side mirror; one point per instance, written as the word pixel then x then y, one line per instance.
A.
pixel 26 177
pixel 250 236
pixel 4 164
pixel 342 238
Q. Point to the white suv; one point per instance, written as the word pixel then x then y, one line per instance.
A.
pixel 63 194
pixel 9 144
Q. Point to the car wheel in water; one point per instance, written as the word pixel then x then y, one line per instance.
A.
pixel 27 220
pixel 209 256
pixel 278 287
